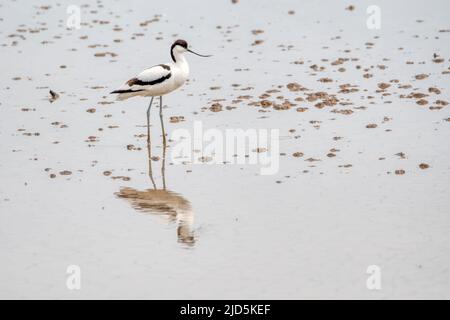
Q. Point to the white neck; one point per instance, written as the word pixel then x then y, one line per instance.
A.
pixel 178 56
pixel 181 62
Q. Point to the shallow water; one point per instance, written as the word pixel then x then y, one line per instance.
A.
pixel 75 183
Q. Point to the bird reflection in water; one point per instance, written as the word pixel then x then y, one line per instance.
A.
pixel 166 203
pixel 162 202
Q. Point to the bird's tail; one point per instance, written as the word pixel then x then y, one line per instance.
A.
pixel 119 91
pixel 125 94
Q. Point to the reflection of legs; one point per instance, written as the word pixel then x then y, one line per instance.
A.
pixel 163 166
pixel 149 146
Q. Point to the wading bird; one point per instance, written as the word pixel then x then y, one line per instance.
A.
pixel 159 80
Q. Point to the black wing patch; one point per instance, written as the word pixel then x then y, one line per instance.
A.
pixel 165 66
pixel 137 82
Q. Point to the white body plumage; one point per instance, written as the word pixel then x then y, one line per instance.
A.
pixel 160 79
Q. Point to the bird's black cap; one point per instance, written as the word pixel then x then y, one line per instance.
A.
pixel 180 42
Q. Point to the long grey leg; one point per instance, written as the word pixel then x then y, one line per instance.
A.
pixel 163 166
pixel 149 146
